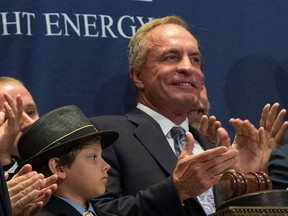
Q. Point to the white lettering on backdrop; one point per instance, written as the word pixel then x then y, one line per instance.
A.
pixel 63 24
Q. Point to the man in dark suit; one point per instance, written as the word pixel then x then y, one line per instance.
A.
pixel 146 178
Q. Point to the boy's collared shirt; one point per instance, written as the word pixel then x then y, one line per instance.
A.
pixel 79 208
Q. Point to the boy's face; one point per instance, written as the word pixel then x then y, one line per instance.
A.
pixel 87 176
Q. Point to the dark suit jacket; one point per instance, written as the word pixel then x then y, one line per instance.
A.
pixel 142 162
pixel 5 205
pixel 278 167
pixel 59 207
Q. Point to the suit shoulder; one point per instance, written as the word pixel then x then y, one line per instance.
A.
pixel 109 122
pixel 106 117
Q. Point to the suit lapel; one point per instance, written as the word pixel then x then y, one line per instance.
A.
pixel 149 132
pixel 201 139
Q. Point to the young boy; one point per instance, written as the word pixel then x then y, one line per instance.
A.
pixel 64 142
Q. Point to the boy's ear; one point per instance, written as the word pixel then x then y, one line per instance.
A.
pixel 55 168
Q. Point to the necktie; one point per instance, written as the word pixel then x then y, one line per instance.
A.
pixel 88 213
pixel 207 198
pixel 178 134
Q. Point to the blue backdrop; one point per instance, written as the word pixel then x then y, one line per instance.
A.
pixel 75 52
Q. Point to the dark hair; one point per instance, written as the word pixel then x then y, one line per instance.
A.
pixel 68 157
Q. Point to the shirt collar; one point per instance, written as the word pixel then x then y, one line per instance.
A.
pixel 79 208
pixel 165 124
